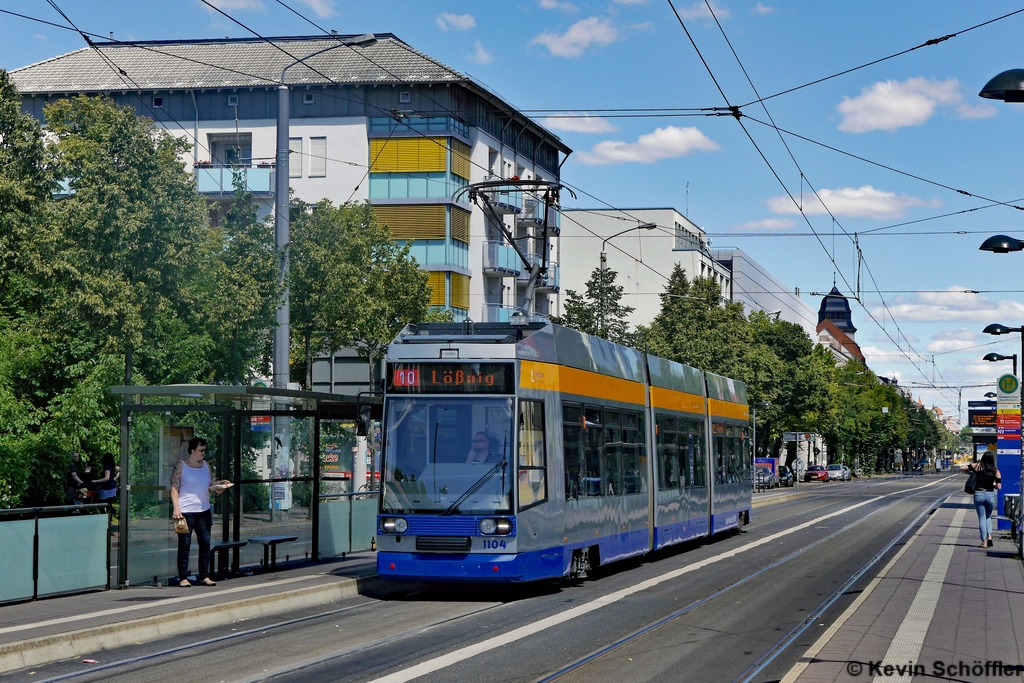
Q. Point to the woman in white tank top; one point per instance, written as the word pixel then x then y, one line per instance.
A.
pixel 191 485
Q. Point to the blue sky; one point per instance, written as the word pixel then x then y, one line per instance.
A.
pixel 918 113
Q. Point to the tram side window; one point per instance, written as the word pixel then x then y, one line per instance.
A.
pixel 747 463
pixel 612 456
pixel 634 454
pixel 592 438
pixel 532 455
pixel 572 418
pixel 718 444
pixel 668 452
pixel 699 455
pixel 684 445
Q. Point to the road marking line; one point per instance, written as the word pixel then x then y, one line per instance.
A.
pixel 197 595
pixel 906 646
pixel 832 630
pixel 469 651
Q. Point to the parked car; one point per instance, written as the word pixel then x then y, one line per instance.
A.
pixel 765 478
pixel 847 475
pixel 786 476
pixel 816 473
pixel 835 471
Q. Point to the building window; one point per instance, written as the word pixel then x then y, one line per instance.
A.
pixel 317 157
pixel 308 98
pixel 404 97
pixel 158 103
pixel 232 100
pixel 295 157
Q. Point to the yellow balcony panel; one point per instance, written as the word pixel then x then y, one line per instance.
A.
pixel 408 155
pixel 414 221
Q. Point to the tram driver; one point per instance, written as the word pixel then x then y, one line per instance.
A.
pixel 481 450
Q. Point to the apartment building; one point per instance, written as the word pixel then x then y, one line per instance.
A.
pixel 371 118
pixel 642 257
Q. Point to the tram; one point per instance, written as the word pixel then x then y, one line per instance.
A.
pixel 516 453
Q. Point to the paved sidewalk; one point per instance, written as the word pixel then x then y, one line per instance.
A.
pixel 33 633
pixel 941 609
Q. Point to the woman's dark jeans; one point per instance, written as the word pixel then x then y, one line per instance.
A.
pixel 200 522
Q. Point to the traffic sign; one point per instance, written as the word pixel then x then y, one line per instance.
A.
pixel 1008 389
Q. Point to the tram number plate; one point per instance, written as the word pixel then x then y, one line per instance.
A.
pixel 492 544
pixel 406 377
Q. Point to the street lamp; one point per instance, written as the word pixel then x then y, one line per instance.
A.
pixel 604 268
pixel 282 222
pixel 996 357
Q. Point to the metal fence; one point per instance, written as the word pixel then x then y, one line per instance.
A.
pixel 54 550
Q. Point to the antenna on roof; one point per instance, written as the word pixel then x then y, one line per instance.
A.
pixel 687 210
pixel 111 35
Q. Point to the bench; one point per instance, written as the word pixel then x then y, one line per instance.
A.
pixel 270 544
pixel 219 556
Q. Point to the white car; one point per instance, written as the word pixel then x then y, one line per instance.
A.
pixel 837 472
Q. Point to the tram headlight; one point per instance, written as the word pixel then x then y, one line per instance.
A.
pixel 394 525
pixel 499 527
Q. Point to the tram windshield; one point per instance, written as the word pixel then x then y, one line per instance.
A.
pixel 438 448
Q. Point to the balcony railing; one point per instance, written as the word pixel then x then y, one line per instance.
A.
pixel 220 179
pixel 550 280
pixel 506 200
pixel 501 258
pixel 532 215
pixel 498 313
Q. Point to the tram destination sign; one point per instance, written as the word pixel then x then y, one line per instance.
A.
pixel 451 378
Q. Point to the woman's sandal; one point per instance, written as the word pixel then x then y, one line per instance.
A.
pixel 185 584
pixel 208 582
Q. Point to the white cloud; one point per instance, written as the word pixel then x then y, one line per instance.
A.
pixel 762 9
pixel 480 55
pixel 663 143
pixel 580 123
pixel 952 305
pixel 555 4
pixel 768 224
pixel 888 105
pixel 39 36
pixel 699 10
pixel 953 340
pixel 976 111
pixel 862 202
pixel 455 22
pixel 581 35
pixel 228 5
pixel 630 2
pixel 322 8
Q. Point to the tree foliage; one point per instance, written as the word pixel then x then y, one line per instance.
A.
pixel 598 311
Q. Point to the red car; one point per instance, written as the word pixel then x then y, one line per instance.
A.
pixel 816 473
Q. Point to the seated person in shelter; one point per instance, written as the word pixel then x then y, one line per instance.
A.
pixel 481 450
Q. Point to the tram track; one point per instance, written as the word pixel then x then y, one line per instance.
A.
pixel 362 654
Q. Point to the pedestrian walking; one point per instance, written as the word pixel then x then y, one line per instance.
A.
pixel 987 480
pixel 191 486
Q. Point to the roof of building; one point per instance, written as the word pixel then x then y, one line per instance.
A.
pixel 841 338
pixel 166 65
pixel 835 303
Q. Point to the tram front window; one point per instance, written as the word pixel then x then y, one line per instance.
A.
pixel 439 448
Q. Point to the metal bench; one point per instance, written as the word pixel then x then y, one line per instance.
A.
pixel 219 556
pixel 270 544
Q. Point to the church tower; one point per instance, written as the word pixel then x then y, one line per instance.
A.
pixel 836 308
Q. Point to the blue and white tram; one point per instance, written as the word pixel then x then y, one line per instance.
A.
pixel 521 453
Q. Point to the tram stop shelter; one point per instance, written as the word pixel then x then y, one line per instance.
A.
pixel 298 467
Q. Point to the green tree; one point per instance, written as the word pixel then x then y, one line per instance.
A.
pixel 599 311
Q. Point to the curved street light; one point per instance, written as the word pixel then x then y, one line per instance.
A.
pixel 996 357
pixel 604 268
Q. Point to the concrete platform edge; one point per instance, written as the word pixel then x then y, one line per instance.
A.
pixel 51 648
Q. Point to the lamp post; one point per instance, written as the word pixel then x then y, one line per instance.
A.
pixel 604 269
pixel 996 357
pixel 282 221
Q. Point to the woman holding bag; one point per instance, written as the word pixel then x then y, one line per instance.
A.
pixel 191 486
pixel 987 480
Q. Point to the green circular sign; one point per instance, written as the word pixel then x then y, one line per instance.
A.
pixel 1008 384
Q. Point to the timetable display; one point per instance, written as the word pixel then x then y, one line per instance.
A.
pixel 451 378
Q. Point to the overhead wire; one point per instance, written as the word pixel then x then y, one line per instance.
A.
pixel 739 118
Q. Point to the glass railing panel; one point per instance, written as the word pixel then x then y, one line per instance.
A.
pixel 72 553
pixel 364 523
pixel 335 520
pixel 16 540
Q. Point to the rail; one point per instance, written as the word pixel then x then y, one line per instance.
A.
pixel 54 550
